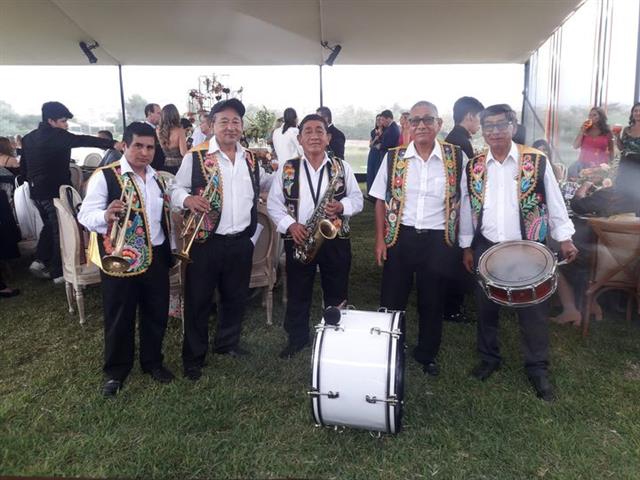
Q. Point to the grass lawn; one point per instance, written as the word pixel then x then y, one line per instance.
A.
pixel 251 418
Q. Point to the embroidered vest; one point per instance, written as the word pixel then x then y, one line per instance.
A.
pixel 396 183
pixel 534 214
pixel 138 248
pixel 291 190
pixel 206 167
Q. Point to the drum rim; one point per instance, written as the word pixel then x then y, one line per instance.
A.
pixel 395 362
pixel 549 272
pixel 315 374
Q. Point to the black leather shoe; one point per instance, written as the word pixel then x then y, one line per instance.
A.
pixel 111 387
pixel 542 386
pixel 432 369
pixel 233 352
pixel 291 349
pixel 484 370
pixel 162 374
pixel 193 373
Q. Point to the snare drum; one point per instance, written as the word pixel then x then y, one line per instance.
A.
pixel 518 273
pixel 358 371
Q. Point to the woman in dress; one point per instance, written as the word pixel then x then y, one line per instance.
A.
pixel 375 158
pixel 628 177
pixel 285 138
pixel 594 140
pixel 172 138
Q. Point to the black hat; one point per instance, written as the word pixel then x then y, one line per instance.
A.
pixel 232 103
pixel 54 111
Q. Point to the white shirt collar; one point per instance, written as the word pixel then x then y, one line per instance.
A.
pixel 125 167
pixel 412 152
pixel 514 154
pixel 214 147
pixel 325 160
pixel 150 124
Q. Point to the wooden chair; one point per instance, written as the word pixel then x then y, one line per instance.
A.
pixel 263 271
pixel 615 262
pixel 76 269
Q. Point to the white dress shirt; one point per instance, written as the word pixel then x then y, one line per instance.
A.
pixel 286 144
pixel 197 137
pixel 424 206
pixel 501 211
pixel 352 203
pixel 95 204
pixel 237 188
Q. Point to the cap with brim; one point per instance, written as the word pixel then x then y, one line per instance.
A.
pixel 54 111
pixel 232 103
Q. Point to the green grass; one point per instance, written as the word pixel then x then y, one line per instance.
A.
pixel 250 417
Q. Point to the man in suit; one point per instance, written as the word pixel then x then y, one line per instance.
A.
pixel 336 137
pixel 152 113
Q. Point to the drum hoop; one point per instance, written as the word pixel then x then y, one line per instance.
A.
pixel 315 377
pixel 491 283
pixel 483 272
pixel 391 373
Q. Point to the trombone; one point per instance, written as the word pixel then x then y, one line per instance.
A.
pixel 116 262
pixel 192 225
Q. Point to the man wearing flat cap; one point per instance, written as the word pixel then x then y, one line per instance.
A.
pixel 222 252
pixel 45 163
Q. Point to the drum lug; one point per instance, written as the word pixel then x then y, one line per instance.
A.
pixel 509 297
pixel 534 294
pixel 394 333
pixel 322 326
pixel 329 394
pixel 392 400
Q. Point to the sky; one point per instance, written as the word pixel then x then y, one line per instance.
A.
pixel 92 92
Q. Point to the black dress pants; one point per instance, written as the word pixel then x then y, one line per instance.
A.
pixel 458 284
pixel 534 329
pixel 334 259
pixel 222 262
pixel 426 257
pixel 122 296
pixel 48 249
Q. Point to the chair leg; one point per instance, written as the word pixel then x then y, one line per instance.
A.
pixel 69 290
pixel 80 301
pixel 586 318
pixel 269 292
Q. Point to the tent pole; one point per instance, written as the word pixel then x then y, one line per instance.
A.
pixel 124 113
pixel 321 99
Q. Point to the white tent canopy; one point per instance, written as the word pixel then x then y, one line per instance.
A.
pixel 276 32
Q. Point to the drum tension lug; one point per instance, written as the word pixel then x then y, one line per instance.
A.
pixel 393 400
pixel 321 327
pixel 329 394
pixel 379 331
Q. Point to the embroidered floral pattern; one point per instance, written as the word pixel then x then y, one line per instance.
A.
pixel 211 171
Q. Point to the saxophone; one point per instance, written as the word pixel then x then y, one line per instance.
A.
pixel 319 227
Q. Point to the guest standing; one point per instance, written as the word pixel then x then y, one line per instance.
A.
pixel 172 138
pixel 285 138
pixel 594 140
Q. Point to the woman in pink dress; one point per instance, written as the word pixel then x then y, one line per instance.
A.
pixel 594 140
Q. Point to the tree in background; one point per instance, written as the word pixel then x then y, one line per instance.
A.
pixel 12 123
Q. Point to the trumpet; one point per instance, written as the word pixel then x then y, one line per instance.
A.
pixel 192 225
pixel 116 262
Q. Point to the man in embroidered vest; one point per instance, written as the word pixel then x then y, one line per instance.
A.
pixel 222 254
pixel 294 197
pixel 510 193
pixel 418 196
pixel 145 285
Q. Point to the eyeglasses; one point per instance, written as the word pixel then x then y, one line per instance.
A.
pixel 428 121
pixel 496 127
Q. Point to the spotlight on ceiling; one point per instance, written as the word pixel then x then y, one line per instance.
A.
pixel 86 49
pixel 335 51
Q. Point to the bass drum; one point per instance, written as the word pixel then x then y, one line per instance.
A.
pixel 358 371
